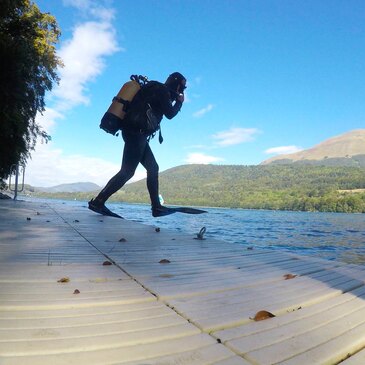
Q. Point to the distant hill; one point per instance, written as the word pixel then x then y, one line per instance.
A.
pixel 79 187
pixel 345 150
pixel 282 187
pixel 279 187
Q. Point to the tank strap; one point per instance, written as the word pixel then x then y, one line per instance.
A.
pixel 122 101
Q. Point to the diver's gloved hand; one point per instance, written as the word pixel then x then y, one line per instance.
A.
pixel 181 98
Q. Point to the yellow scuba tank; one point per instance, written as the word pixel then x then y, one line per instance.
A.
pixel 120 104
pixel 125 95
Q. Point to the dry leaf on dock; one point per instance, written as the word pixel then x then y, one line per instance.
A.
pixel 289 276
pixel 166 276
pixel 262 315
pixel 164 261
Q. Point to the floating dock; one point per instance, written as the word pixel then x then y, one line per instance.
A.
pixel 80 288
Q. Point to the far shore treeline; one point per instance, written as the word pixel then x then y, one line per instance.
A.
pixel 273 187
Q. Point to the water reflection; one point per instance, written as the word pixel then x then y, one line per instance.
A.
pixel 333 236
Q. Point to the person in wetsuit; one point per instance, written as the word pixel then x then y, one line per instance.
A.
pixel 166 100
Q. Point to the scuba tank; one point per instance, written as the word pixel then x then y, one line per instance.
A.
pixel 121 101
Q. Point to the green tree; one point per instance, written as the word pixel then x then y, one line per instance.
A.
pixel 28 69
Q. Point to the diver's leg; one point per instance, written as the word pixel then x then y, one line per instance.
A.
pixel 132 154
pixel 150 164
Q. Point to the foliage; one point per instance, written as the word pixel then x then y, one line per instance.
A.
pixel 28 70
pixel 282 187
pixel 279 187
pixel 355 161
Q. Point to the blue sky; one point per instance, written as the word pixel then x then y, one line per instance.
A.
pixel 264 77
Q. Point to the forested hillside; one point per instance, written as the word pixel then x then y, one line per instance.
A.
pixel 284 187
pixel 309 188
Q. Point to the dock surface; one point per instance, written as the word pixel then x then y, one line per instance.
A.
pixel 80 288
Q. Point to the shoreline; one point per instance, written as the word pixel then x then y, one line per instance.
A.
pixel 68 198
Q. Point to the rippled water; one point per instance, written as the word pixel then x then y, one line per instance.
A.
pixel 334 236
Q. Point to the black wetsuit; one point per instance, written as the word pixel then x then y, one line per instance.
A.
pixel 136 148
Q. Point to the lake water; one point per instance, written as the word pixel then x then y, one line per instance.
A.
pixel 333 236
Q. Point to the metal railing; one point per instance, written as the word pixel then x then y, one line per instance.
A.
pixel 15 170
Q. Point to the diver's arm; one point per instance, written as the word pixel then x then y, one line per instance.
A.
pixel 170 110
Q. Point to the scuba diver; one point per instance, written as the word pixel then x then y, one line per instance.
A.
pixel 165 99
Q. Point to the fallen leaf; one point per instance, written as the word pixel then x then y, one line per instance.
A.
pixel 98 280
pixel 122 240
pixel 250 248
pixel 28 218
pixel 164 261
pixel 64 280
pixel 77 291
pixel 157 229
pixel 262 315
pixel 289 276
pixel 107 263
pixel 76 221
pixel 166 276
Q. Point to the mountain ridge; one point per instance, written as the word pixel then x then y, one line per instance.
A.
pixel 78 187
pixel 347 149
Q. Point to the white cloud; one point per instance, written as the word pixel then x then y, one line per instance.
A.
pixel 91 8
pixel 47 120
pixel 83 58
pixel 283 150
pixel 50 166
pixel 201 158
pixel 203 111
pixel 79 4
pixel 235 136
